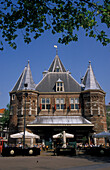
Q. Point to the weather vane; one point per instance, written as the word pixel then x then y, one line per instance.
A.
pixel 56 49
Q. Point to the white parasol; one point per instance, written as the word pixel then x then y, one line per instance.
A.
pixel 60 135
pixel 63 135
pixel 27 135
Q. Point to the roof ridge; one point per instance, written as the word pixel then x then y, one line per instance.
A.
pixel 22 77
pixel 74 79
pixel 41 80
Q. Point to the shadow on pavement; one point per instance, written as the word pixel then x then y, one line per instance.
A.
pixel 99 159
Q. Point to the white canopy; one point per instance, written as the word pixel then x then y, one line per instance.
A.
pixel 27 135
pixel 102 135
pixel 63 135
pixel 60 135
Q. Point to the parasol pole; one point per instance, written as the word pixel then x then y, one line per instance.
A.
pixel 64 139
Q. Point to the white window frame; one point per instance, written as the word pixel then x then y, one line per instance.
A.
pixel 60 85
pixel 74 103
pixel 60 103
pixel 13 97
pixel 45 103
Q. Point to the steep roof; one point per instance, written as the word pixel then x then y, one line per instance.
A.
pixel 25 78
pixel 89 79
pixel 48 83
pixel 56 64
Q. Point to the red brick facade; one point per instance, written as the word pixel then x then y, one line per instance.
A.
pixel 90 104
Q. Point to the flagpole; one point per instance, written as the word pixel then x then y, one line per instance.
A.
pixel 56 49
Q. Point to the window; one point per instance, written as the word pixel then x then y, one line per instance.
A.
pixel 33 104
pixel 60 103
pixel 57 69
pixel 74 103
pixel 45 103
pixel 59 85
pixel 13 96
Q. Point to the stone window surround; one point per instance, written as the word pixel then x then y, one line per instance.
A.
pixel 13 97
pixel 60 103
pixel 45 103
pixel 74 103
pixel 59 86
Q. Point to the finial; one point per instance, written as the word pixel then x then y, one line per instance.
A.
pixel 28 61
pixel 89 62
pixel 56 49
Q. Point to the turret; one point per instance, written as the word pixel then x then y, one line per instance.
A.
pixel 23 99
pixel 93 98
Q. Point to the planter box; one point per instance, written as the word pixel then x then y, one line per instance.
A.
pixel 65 151
pixel 97 151
pixel 14 151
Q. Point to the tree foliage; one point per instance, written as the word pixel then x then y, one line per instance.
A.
pixel 5 118
pixel 66 17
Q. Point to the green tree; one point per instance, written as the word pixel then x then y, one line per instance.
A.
pixel 65 17
pixel 5 118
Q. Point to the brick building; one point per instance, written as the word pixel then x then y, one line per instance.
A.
pixel 58 102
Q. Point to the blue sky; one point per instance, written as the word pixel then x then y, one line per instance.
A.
pixel 41 53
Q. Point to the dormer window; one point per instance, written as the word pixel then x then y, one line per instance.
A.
pixel 57 69
pixel 59 85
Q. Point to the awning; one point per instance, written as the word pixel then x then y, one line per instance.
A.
pixel 60 121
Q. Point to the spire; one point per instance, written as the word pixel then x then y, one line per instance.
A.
pixel 56 65
pixel 25 78
pixel 89 79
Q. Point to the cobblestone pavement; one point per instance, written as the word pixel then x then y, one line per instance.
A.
pixel 47 161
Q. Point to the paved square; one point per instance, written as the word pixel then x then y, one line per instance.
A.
pixel 48 162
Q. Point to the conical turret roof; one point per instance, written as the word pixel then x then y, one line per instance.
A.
pixel 57 65
pixel 25 78
pixel 89 80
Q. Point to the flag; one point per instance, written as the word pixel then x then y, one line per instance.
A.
pixel 55 46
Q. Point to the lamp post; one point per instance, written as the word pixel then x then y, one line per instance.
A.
pixel 26 94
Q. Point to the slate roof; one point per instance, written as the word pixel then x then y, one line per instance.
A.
pixel 25 77
pixel 57 64
pixel 48 83
pixel 89 79
pixel 60 120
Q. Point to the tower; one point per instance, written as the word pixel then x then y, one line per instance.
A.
pixel 23 101
pixel 93 98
